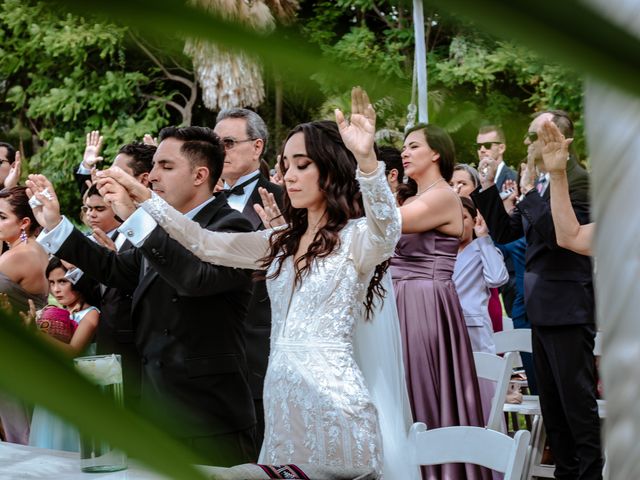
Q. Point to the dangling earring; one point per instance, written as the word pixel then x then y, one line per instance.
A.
pixel 23 236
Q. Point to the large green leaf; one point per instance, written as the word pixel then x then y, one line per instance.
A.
pixel 284 49
pixel 36 372
pixel 568 31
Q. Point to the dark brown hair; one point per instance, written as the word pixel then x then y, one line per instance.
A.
pixel 336 166
pixel 439 141
pixel 19 202
pixel 201 146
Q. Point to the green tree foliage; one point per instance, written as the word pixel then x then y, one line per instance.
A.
pixel 64 75
pixel 474 78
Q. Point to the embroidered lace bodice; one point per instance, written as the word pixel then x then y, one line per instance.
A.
pixel 317 406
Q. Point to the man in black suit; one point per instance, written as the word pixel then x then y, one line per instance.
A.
pixel 244 135
pixel 188 315
pixel 491 144
pixel 115 332
pixel 559 300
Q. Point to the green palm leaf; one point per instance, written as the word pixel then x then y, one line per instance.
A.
pixel 36 372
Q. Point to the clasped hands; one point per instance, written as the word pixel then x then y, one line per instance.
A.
pixel 120 190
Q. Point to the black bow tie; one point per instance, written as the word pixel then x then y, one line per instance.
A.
pixel 239 189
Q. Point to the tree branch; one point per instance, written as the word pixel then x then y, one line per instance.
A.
pixel 382 16
pixel 154 59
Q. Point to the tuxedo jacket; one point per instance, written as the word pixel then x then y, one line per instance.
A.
pixel 188 318
pixel 115 334
pixel 507 173
pixel 558 285
pixel 81 181
pixel 258 324
pixel 250 212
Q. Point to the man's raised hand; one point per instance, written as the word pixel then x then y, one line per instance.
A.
pixel 135 190
pixel 555 149
pixel 92 151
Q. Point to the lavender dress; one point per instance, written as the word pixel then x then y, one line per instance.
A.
pixel 441 376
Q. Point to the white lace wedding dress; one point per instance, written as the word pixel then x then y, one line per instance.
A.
pixel 318 407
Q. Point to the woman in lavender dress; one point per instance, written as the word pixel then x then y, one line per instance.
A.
pixel 441 375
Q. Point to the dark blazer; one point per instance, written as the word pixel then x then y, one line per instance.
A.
pixel 188 318
pixel 507 173
pixel 81 181
pixel 557 282
pixel 250 212
pixel 115 334
pixel 258 324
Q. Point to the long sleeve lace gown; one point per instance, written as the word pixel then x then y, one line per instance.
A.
pixel 318 408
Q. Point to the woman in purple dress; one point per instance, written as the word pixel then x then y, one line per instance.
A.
pixel 441 375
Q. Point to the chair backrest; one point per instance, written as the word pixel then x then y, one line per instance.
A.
pixel 480 446
pixel 518 340
pixel 497 369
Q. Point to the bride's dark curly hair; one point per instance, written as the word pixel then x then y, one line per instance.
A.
pixel 336 166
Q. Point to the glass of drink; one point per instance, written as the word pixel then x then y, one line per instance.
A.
pixel 106 372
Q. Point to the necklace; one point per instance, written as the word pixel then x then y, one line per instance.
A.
pixel 429 187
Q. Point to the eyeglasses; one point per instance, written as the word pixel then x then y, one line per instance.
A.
pixel 487 145
pixel 230 143
pixel 532 136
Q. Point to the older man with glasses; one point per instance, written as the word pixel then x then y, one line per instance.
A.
pixel 560 304
pixel 244 136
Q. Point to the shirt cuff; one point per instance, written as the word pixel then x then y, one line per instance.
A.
pixel 83 171
pixel 53 239
pixel 138 227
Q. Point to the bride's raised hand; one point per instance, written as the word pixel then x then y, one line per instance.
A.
pixel 138 192
pixel 358 134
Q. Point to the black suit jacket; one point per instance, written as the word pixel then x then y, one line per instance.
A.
pixel 557 282
pixel 507 173
pixel 115 334
pixel 258 324
pixel 81 181
pixel 188 317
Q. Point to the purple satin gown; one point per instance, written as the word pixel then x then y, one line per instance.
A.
pixel 441 375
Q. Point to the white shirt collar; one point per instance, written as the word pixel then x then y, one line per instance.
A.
pixel 194 211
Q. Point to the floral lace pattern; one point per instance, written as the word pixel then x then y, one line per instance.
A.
pixel 317 406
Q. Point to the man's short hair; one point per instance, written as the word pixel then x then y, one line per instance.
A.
pixel 11 151
pixel 256 128
pixel 561 119
pixel 93 190
pixel 201 146
pixel 141 157
pixel 392 159
pixel 493 128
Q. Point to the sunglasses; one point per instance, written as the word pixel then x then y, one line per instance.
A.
pixel 487 145
pixel 532 136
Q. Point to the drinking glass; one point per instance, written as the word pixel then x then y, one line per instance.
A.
pixel 105 371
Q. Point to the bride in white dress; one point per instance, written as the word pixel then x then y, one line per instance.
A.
pixel 322 270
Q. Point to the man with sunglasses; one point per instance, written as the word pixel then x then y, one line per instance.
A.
pixel 491 144
pixel 559 301
pixel 244 136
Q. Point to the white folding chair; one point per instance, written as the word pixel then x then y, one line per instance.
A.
pixel 480 446
pixel 497 369
pixel 517 340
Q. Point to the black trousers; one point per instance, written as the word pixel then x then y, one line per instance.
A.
pixel 566 377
